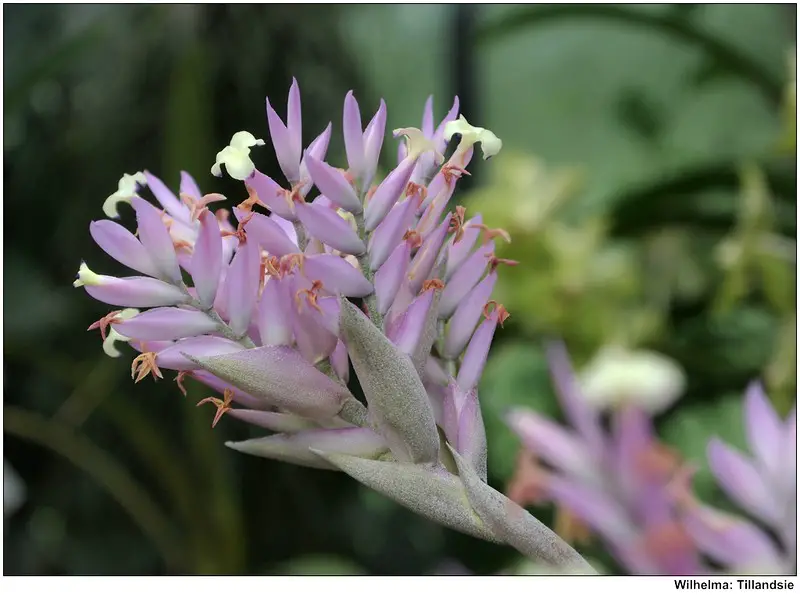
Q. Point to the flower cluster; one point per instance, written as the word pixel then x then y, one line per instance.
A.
pixel 615 481
pixel 764 486
pixel 267 320
pixel 634 492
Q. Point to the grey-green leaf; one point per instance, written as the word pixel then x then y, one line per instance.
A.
pixel 279 375
pixel 515 526
pixel 295 448
pixel 396 397
pixel 432 493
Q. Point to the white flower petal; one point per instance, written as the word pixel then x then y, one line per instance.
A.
pixel 490 144
pixel 126 190
pixel 86 276
pixel 644 378
pixel 236 156
pixel 417 143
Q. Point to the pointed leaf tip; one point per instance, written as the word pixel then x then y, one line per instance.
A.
pixel 281 376
pixel 512 524
pixel 300 448
pixel 397 399
pixel 432 493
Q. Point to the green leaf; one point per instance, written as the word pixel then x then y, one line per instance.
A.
pixel 638 113
pixel 516 375
pixel 690 429
pixel 727 349
pixel 741 64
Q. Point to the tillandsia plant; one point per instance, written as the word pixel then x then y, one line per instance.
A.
pixel 619 481
pixel 267 320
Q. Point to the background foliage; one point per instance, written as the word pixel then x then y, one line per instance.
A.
pixel 648 179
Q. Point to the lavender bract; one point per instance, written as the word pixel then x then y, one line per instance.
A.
pixel 267 321
pixel 614 481
pixel 634 493
pixel 763 485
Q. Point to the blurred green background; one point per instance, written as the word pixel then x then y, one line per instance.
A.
pixel 648 179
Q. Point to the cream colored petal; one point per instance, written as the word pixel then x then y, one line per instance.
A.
pixel 245 140
pixel 490 143
pixel 236 156
pixel 110 206
pixel 126 190
pixel 86 276
pixel 617 377
pixel 109 346
pixel 417 143
pixel 113 336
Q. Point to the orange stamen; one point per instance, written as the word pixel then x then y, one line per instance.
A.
pixel 180 378
pixel 494 262
pixel 223 405
pixel 271 266
pixel 165 218
pixel 105 322
pixel 293 195
pixel 196 206
pixel 240 232
pixel 492 308
pixel 290 261
pixel 452 172
pixel 413 238
pixel 432 284
pixel 492 233
pixel 183 245
pixel 457 224
pixel 413 189
pixel 251 200
pixel 310 295
pixel 145 364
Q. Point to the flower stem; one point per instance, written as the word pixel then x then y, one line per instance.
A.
pixel 449 364
pixel 302 239
pixel 371 300
pixel 227 331
pixel 353 411
pixel 222 326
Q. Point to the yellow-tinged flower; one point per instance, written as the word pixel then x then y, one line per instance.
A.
pixel 113 336
pixel 126 190
pixel 617 377
pixel 86 276
pixel 490 144
pixel 417 143
pixel 236 156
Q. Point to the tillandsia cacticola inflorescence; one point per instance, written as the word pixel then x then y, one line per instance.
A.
pixel 267 319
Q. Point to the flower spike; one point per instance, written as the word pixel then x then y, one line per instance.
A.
pixel 257 308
